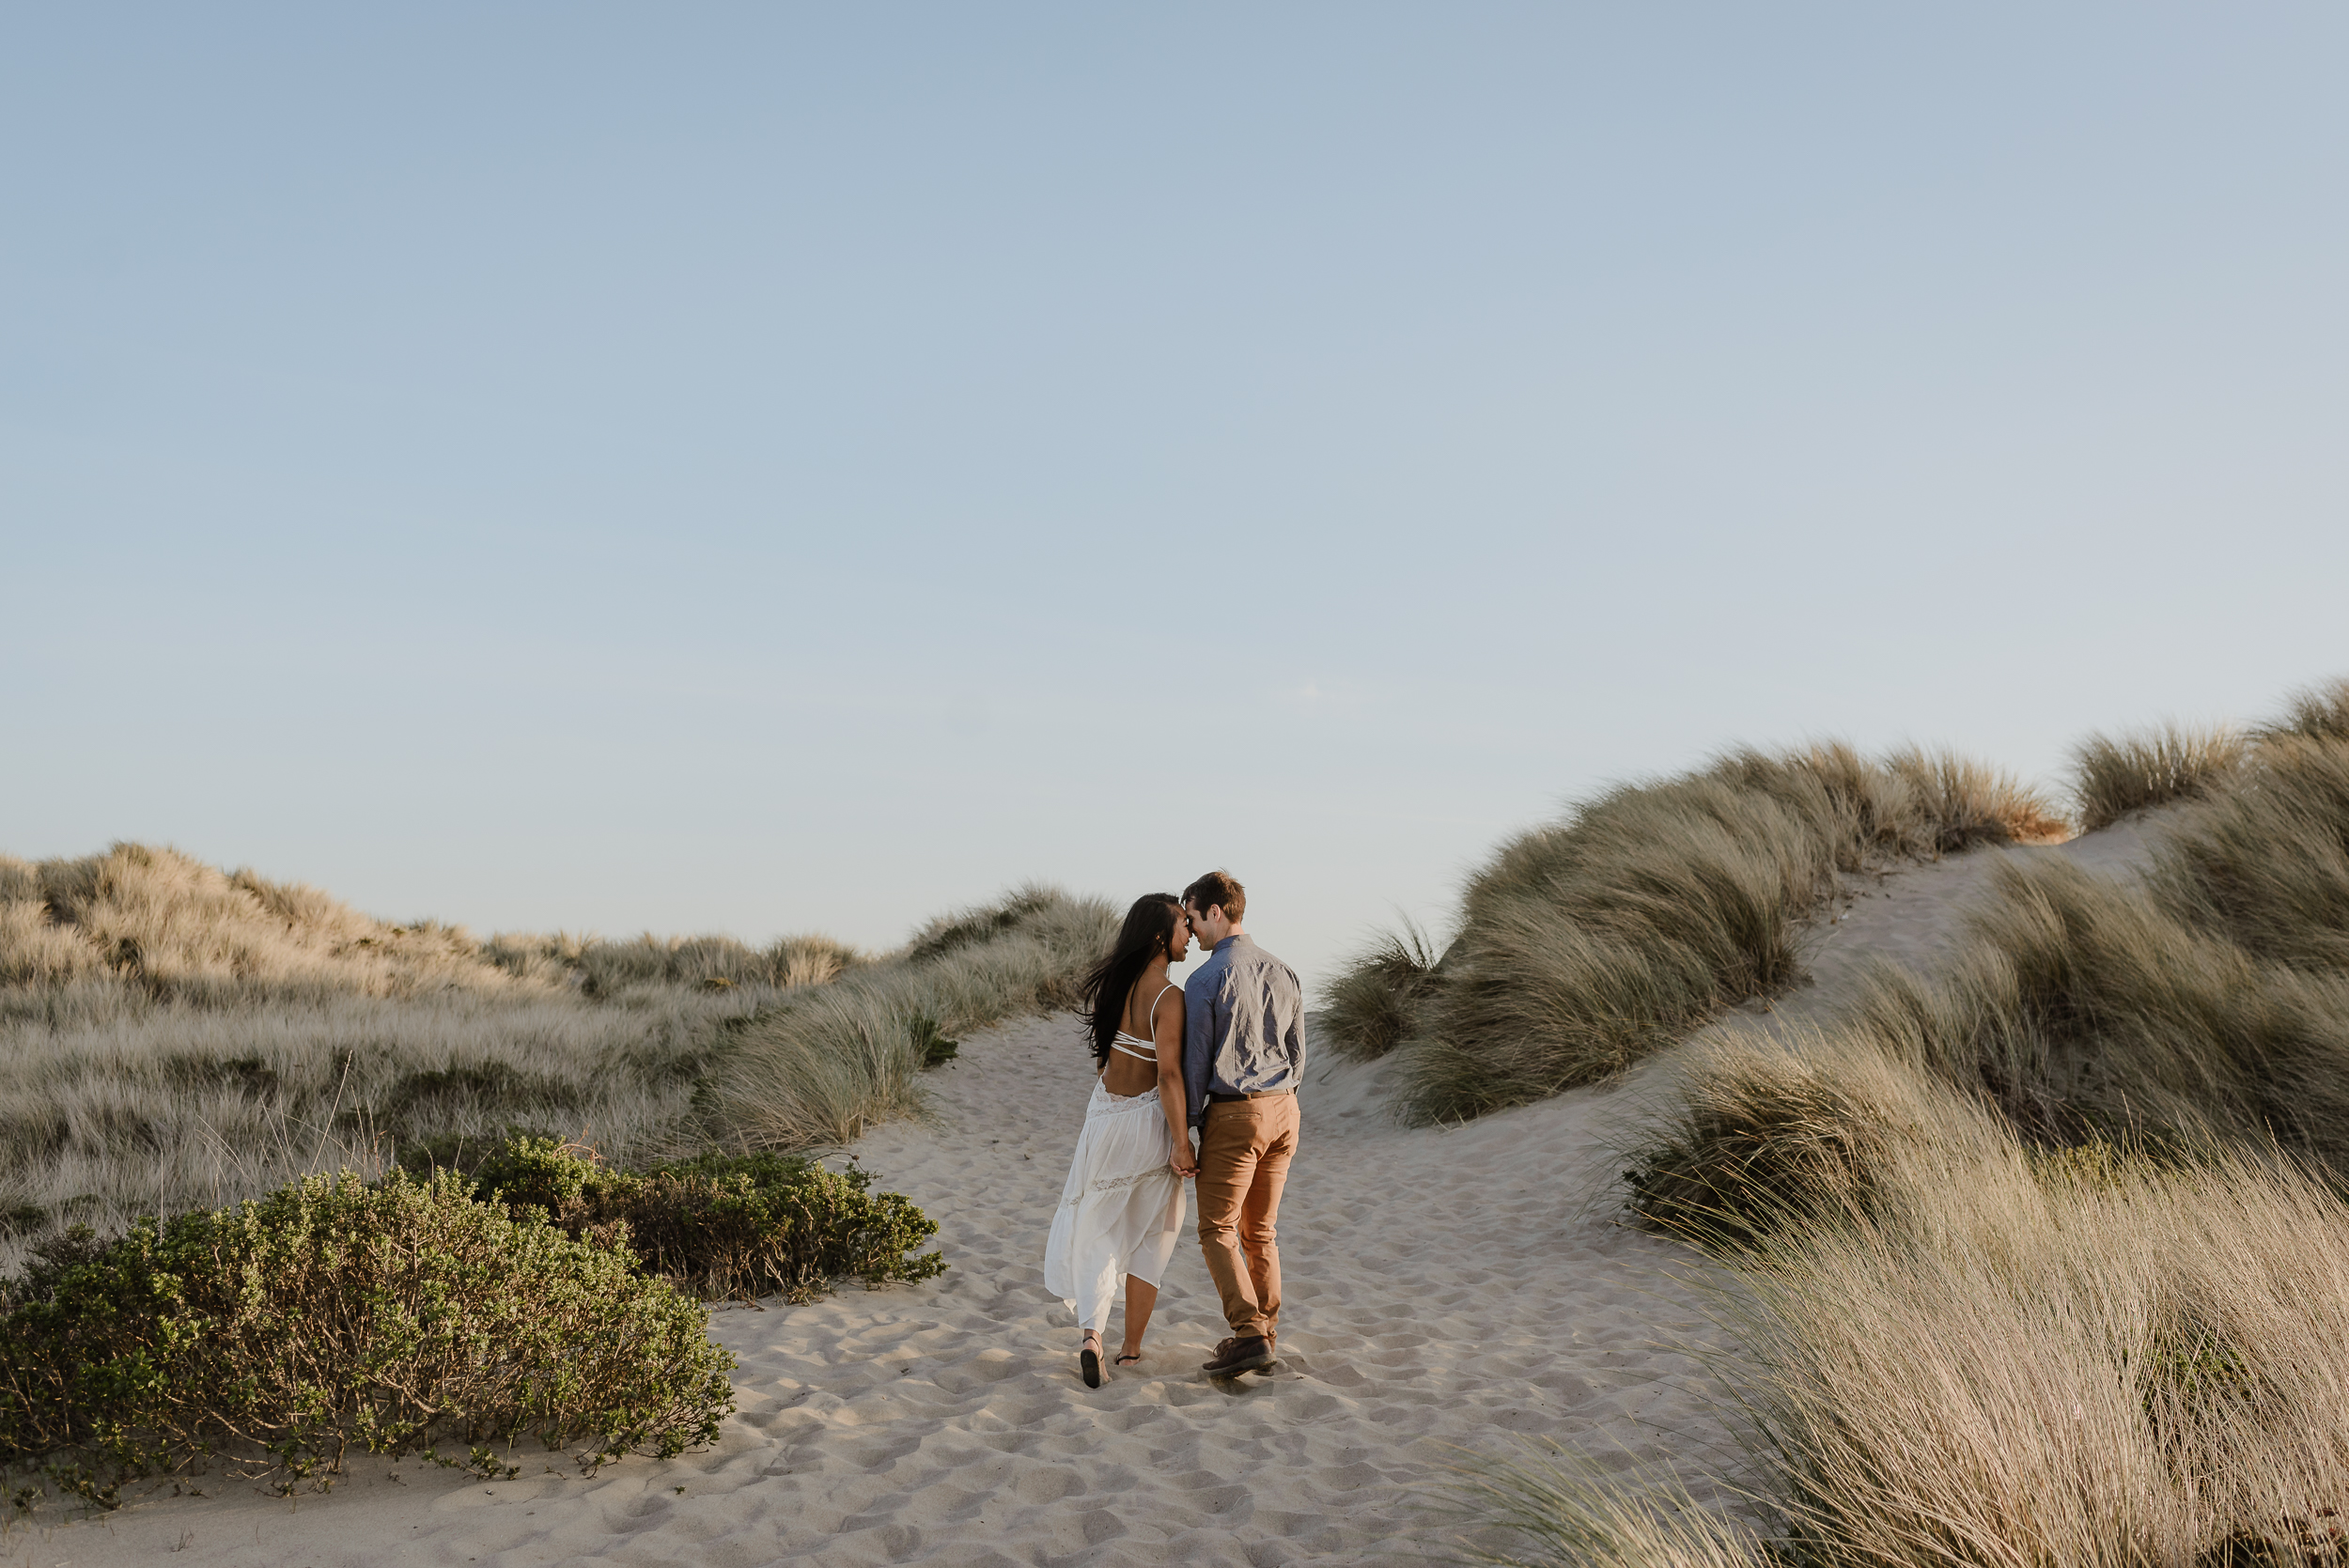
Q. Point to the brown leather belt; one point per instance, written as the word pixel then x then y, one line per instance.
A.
pixel 1214 1098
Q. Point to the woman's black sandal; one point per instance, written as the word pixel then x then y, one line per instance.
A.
pixel 1090 1359
pixel 1123 1359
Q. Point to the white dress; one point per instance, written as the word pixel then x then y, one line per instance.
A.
pixel 1122 1208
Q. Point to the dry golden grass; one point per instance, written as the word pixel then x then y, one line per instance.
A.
pixel 2266 864
pixel 162 923
pixel 2044 1259
pixel 1554 1507
pixel 2206 1003
pixel 175 1036
pixel 2319 712
pixel 1373 1005
pixel 2018 1364
pixel 1955 1346
pixel 1764 1134
pixel 2115 777
pixel 819 1067
pixel 1586 945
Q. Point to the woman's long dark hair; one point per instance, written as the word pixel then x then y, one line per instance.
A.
pixel 1148 930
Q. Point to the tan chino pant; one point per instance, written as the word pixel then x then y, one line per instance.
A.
pixel 1244 1151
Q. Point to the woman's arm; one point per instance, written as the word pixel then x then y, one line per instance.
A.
pixel 1166 1032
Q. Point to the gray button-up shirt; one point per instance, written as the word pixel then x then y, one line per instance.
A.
pixel 1243 1025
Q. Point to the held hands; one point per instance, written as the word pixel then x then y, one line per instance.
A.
pixel 1186 1165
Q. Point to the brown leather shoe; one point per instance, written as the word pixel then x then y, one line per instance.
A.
pixel 1239 1354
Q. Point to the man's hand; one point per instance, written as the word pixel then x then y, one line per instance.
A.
pixel 1185 1164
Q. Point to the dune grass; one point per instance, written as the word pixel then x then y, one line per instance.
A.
pixel 2017 1357
pixel 819 1067
pixel 1553 1508
pixel 1588 944
pixel 175 1038
pixel 2318 712
pixel 2114 778
pixel 2040 1259
pixel 2205 1004
pixel 1373 1007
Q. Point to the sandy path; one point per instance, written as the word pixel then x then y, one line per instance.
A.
pixel 1448 1287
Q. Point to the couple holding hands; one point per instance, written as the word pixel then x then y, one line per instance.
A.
pixel 1223 1053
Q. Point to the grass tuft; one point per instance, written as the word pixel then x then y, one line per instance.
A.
pixel 2116 778
pixel 1553 1508
pixel 1373 1005
pixel 1767 1135
pixel 2319 712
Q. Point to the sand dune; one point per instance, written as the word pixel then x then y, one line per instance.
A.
pixel 1448 1288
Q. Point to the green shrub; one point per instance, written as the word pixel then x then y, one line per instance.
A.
pixel 722 1226
pixel 930 1040
pixel 279 1333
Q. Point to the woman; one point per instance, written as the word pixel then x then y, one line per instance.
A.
pixel 1123 1206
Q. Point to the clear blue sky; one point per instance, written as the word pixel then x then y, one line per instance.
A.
pixel 761 469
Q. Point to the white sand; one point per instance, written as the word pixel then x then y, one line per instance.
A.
pixel 1447 1289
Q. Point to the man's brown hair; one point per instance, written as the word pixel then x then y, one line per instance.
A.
pixel 1218 886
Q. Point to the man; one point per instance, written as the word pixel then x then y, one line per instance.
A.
pixel 1243 1057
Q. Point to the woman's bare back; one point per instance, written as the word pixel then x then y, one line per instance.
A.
pixel 1151 1002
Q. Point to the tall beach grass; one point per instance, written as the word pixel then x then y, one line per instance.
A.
pixel 818 1067
pixel 2011 1358
pixel 2038 1259
pixel 1590 943
pixel 173 1036
pixel 2116 777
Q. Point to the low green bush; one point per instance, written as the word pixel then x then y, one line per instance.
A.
pixel 275 1334
pixel 738 1227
